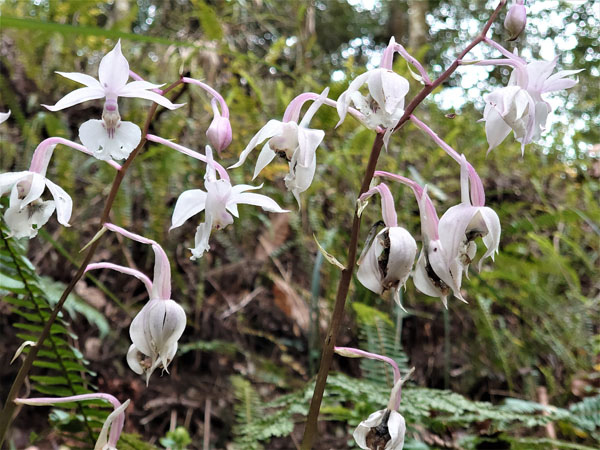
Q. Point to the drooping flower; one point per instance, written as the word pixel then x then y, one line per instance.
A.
pixel 113 425
pixel 515 20
pixel 220 203
pixel 387 261
pixel 156 329
pixel 383 106
pixel 463 223
pixel 432 275
pixel 4 116
pixel 27 212
pixel 293 141
pixel 110 137
pixel 519 106
pixel 384 429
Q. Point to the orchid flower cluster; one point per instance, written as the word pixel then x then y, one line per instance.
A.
pixel 376 99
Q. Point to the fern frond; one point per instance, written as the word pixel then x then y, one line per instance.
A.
pixel 63 367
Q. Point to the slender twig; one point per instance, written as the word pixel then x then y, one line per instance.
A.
pixel 6 416
pixel 310 432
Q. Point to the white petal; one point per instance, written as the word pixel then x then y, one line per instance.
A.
pixel 188 204
pixel 440 263
pixel 4 116
pixel 64 203
pixel 127 136
pixel 271 128
pixel 133 355
pixel 308 142
pixel 138 331
pixel 128 91
pixel 397 429
pixel 77 96
pixel 239 188
pixel 201 238
pixel 403 250
pixel 363 428
pixel 37 186
pixel 452 227
pixel 113 71
pixel 496 128
pixel 423 282
pixel 343 100
pixel 265 156
pixel 166 322
pixel 9 179
pixel 20 221
pixel 93 136
pixel 395 88
pixel 263 201
pixel 369 273
pixel 492 239
pixel 82 78
pixel 102 442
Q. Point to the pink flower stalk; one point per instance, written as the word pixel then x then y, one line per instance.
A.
pixel 432 274
pixel 387 260
pixel 384 428
pixel 114 422
pixel 156 329
pixel 515 20
pixel 219 132
pixel 186 151
pixel 27 212
pixel 387 59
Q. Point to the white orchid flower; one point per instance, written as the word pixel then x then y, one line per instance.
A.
pixel 463 223
pixel 292 140
pixel 110 137
pixel 27 212
pixel 519 106
pixel 220 203
pixel 509 108
pixel 382 430
pixel 113 425
pixel 383 106
pixel 4 116
pixel 156 329
pixel 432 275
pixel 387 261
pixel 113 74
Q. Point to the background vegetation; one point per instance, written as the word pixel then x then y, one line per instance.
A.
pixel 258 303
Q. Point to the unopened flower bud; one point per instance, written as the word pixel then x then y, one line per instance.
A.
pixel 515 21
pixel 219 132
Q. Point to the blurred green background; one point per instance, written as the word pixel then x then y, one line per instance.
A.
pixel 258 303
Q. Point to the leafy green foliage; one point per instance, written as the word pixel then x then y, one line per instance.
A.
pixel 61 367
